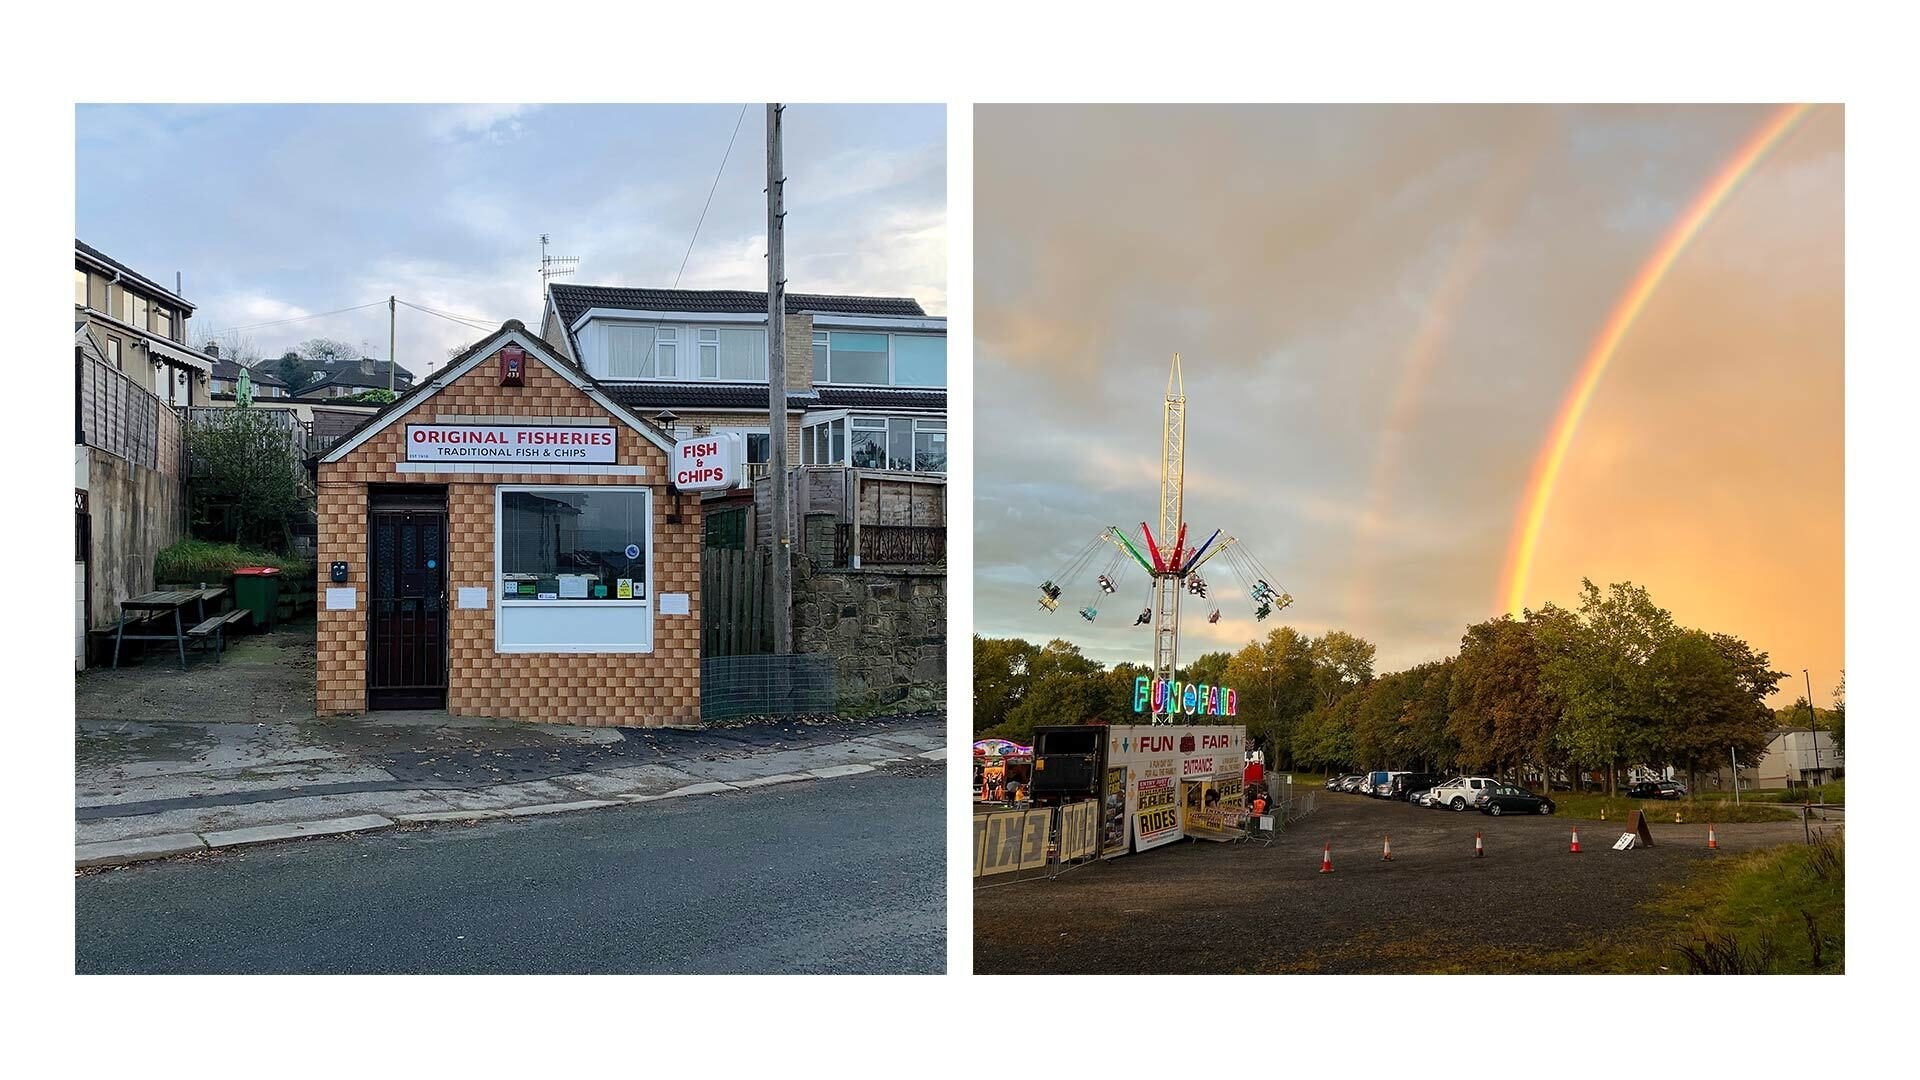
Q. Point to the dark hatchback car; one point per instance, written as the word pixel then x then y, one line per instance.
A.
pixel 1663 789
pixel 1512 800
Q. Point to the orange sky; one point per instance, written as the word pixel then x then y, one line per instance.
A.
pixel 1380 310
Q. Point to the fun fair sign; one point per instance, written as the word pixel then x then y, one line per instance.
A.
pixel 1189 699
pixel 510 444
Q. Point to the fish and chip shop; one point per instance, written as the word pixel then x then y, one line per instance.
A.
pixel 505 540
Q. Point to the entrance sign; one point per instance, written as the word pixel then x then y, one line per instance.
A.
pixel 513 446
pixel 707 462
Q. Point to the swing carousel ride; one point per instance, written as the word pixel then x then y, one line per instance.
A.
pixel 1172 571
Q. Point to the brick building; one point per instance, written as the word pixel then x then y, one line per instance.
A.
pixel 504 540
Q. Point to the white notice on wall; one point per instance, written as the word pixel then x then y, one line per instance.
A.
pixel 342 599
pixel 673 603
pixel 473 596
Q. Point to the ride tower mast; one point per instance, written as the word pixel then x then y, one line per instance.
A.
pixel 1167 586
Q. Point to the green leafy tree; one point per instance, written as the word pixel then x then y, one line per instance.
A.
pixel 1342 662
pixel 1065 687
pixel 291 368
pixel 1597 670
pixel 1839 724
pixel 1000 680
pixel 244 479
pixel 1500 714
pixel 1274 688
pixel 1209 669
pixel 1708 696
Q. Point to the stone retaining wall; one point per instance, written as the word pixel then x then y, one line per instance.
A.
pixel 886 630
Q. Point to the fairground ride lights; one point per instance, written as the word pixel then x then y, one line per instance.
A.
pixel 1191 699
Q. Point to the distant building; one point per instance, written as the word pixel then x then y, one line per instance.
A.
pixel 1791 760
pixel 137 326
pixel 224 379
pixel 866 375
pixel 345 378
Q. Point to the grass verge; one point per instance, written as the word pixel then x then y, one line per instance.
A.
pixel 1713 808
pixel 1776 912
pixel 203 560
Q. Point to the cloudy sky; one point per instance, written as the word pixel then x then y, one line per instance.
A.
pixel 272 212
pixel 1380 310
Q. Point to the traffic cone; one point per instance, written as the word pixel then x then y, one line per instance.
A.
pixel 1479 850
pixel 1713 842
pixel 1326 859
pixel 1386 850
pixel 1676 817
pixel 1575 848
pixel 1603 813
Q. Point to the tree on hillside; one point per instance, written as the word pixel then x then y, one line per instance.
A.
pixel 1000 679
pixel 1423 721
pixel 291 368
pixel 1499 712
pixel 1709 697
pixel 1597 669
pixel 1273 684
pixel 1341 662
pixel 319 352
pixel 1065 687
pixel 1839 725
pixel 1209 669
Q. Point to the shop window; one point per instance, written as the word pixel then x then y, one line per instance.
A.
pixel 572 567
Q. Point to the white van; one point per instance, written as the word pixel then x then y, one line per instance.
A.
pixel 1459 793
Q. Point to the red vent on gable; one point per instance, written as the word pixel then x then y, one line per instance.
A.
pixel 513 366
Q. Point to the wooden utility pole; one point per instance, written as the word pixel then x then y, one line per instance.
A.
pixel 782 577
pixel 391 362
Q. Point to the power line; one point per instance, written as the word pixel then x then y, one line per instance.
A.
pixel 295 319
pixel 710 190
pixel 471 324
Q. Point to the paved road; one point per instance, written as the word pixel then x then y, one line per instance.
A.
pixel 844 875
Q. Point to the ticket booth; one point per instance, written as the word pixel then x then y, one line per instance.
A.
pixel 505 540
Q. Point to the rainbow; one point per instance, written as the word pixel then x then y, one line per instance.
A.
pixel 1532 515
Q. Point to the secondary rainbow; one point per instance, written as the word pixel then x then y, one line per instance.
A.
pixel 1532 515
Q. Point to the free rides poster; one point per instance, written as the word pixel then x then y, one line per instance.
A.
pixel 1158 759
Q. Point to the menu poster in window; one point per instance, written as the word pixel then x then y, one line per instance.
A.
pixel 573 586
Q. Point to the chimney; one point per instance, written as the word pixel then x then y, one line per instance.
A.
pixel 212 348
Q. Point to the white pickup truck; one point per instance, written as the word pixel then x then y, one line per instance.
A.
pixel 1459 793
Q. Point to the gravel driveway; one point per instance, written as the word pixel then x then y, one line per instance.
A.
pixel 1203 907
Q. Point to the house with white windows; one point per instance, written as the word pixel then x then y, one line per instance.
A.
pixel 866 375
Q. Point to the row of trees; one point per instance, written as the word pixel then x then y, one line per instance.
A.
pixel 1615 681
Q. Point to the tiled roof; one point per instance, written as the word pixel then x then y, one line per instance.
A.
pixel 879 397
pixel 127 271
pixel 653 396
pixel 574 300
pixel 227 369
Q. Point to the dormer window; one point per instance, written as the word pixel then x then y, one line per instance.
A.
pixel 652 351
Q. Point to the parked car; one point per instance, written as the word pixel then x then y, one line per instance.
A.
pixel 1506 799
pixel 1408 784
pixel 1333 782
pixel 1460 792
pixel 1351 783
pixel 1389 787
pixel 1423 798
pixel 1658 789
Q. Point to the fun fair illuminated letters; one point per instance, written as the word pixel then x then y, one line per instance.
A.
pixel 1190 699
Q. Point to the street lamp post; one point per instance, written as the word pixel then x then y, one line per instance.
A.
pixel 1813 723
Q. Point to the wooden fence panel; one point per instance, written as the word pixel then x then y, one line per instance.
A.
pixel 733 602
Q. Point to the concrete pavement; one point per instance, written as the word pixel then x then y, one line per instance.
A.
pixel 151 787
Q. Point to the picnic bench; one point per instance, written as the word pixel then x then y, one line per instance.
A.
pixel 156 610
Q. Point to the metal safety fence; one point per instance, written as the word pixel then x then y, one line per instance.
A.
pixel 1011 846
pixel 796 684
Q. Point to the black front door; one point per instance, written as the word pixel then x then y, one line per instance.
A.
pixel 407 609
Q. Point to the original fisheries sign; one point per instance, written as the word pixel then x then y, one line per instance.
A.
pixel 510 444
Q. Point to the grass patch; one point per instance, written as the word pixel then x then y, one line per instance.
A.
pixel 1776 912
pixel 204 560
pixel 1716 808
pixel 1835 792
